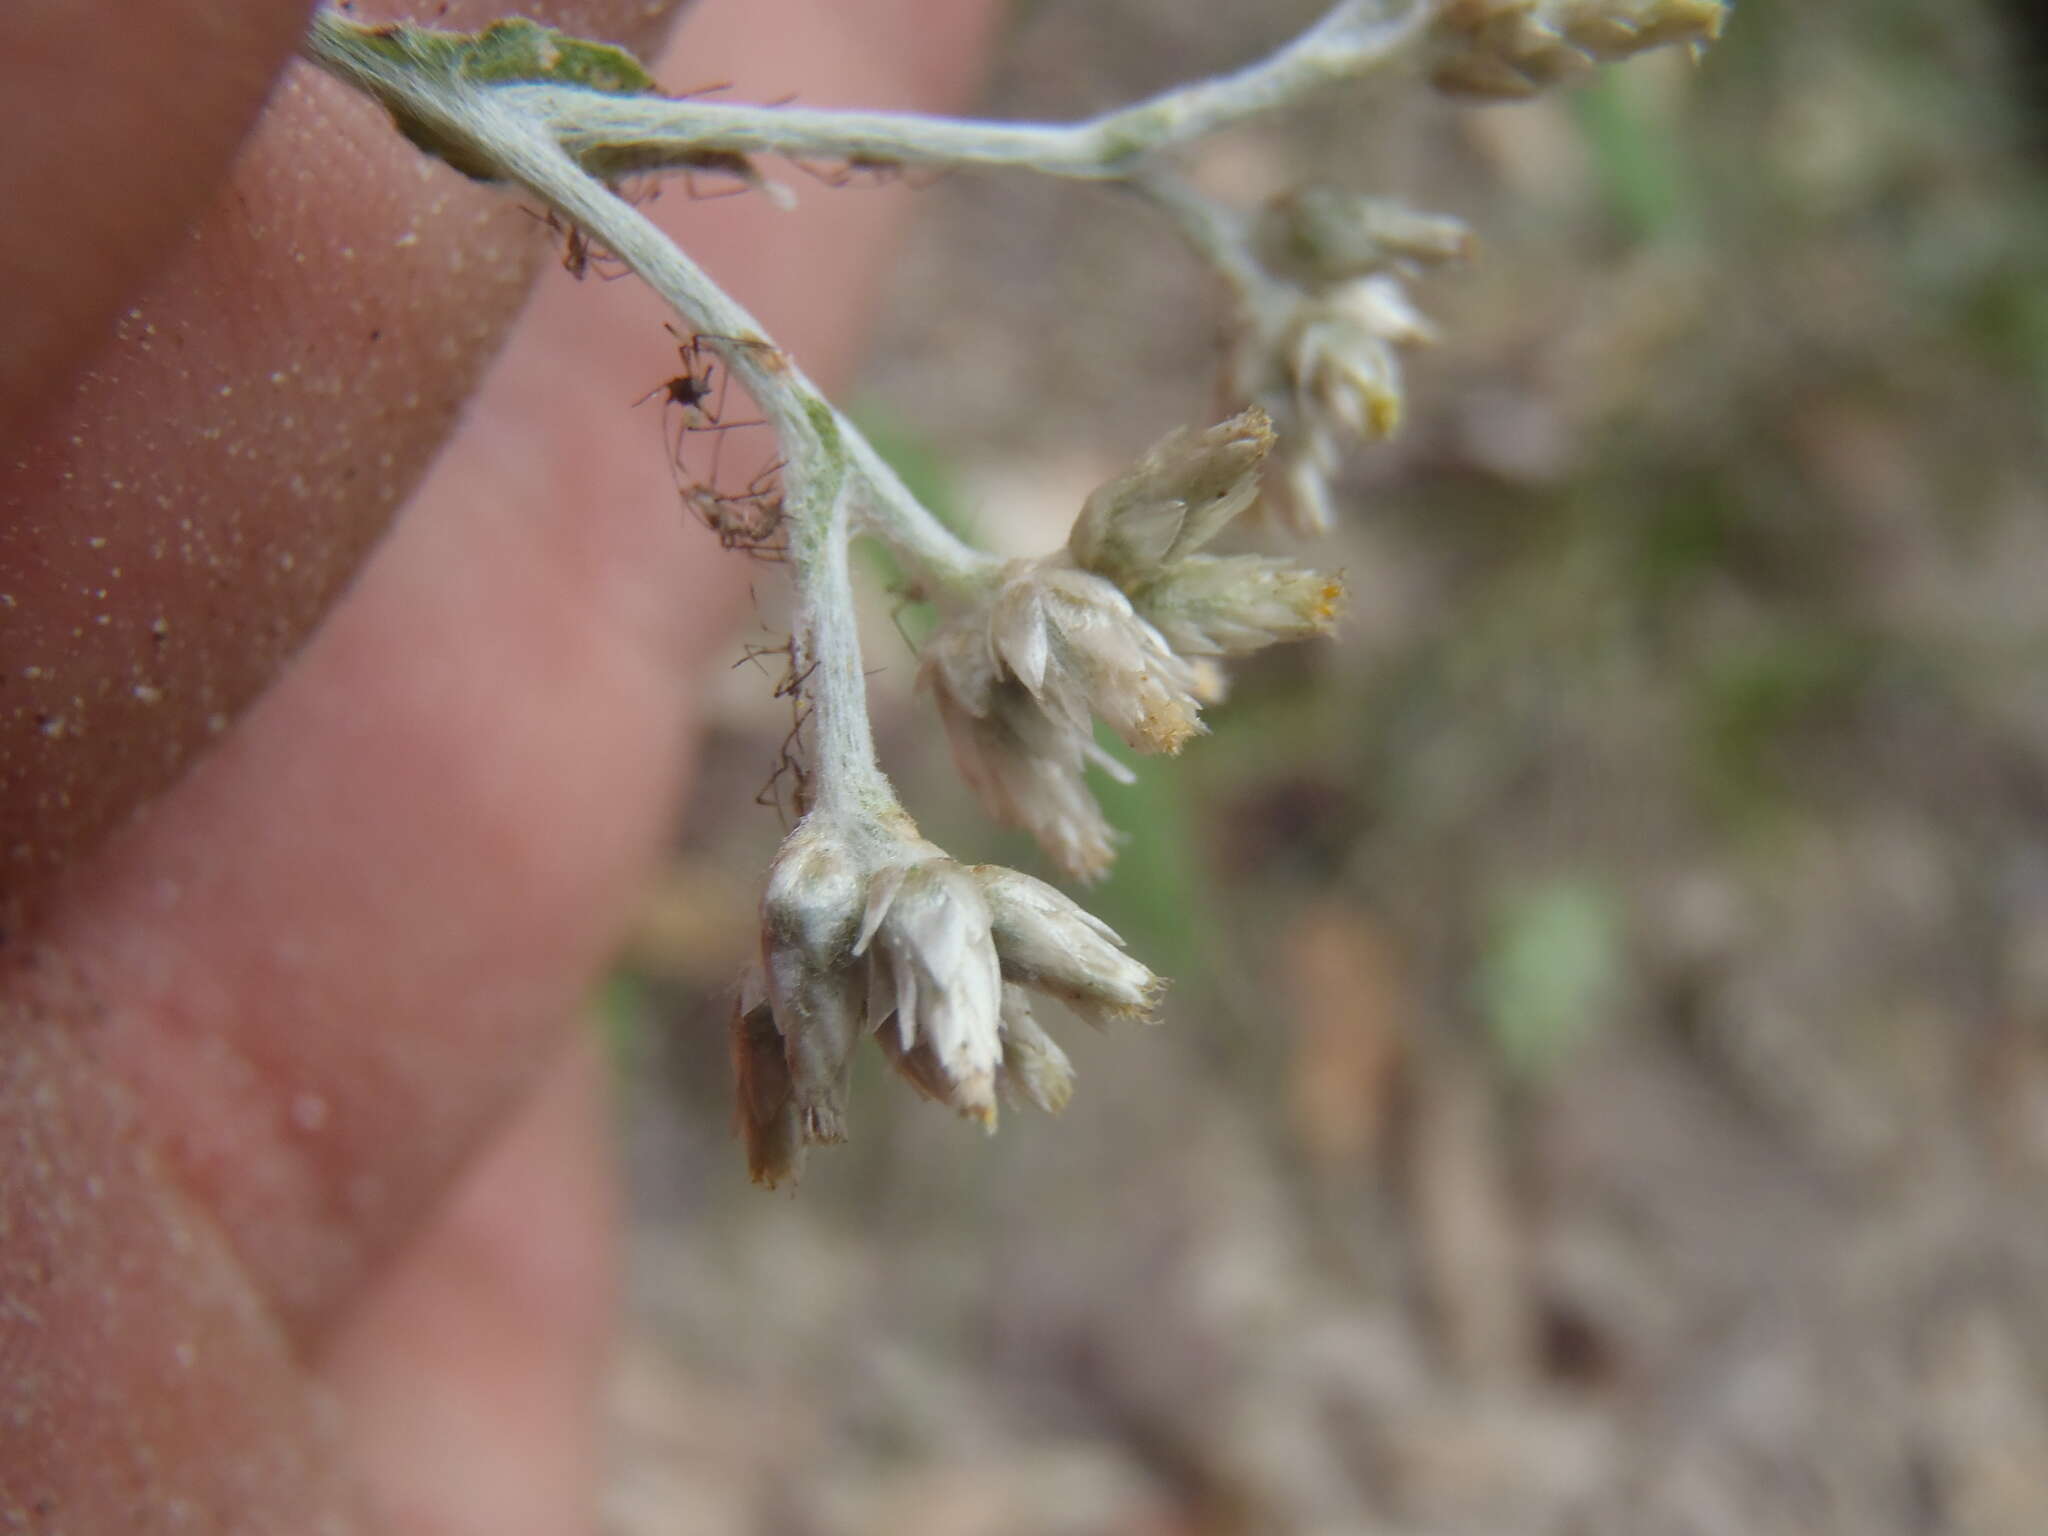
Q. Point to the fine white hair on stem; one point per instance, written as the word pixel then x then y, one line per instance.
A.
pixel 1353 39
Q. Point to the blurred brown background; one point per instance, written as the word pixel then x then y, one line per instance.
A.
pixel 1605 1088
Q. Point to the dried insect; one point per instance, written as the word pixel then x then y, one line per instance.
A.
pixel 748 520
pixel 580 254
pixel 789 765
pixel 688 401
pixel 690 389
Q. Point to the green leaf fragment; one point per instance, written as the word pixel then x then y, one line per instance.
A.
pixel 511 52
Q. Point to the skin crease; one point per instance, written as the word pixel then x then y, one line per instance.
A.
pixel 305 1212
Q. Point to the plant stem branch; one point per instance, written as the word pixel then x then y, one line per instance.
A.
pixel 554 140
pixel 639 133
pixel 825 458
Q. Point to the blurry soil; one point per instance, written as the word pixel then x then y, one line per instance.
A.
pixel 1605 1091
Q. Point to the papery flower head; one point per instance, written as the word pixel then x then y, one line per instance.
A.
pixel 1318 235
pixel 810 917
pixel 1026 767
pixel 932 969
pixel 1018 681
pixel 1508 49
pixel 1077 645
pixel 1048 942
pixel 1232 605
pixel 869 930
pixel 1341 355
pixel 1043 943
pixel 1331 372
pixel 1146 530
pixel 1176 498
pixel 1121 625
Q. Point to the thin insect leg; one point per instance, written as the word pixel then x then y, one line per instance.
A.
pixel 904 602
pixel 717 448
pixel 724 389
pixel 789 764
pixel 751 655
pixel 788 758
pixel 792 684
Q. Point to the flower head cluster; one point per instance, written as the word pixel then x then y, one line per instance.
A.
pixel 1326 361
pixel 1508 49
pixel 866 929
pixel 1121 625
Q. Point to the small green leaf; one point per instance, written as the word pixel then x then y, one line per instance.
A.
pixel 504 53
pixel 508 51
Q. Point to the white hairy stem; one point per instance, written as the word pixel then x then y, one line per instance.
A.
pixel 648 133
pixel 539 137
pixel 827 464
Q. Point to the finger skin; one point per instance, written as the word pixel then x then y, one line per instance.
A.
pixel 145 1385
pixel 216 470
pixel 121 120
pixel 297 998
pixel 469 1377
pixel 376 901
pixel 218 473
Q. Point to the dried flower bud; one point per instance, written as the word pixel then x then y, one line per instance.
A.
pixel 1027 770
pixel 1144 528
pixel 765 1111
pixel 810 918
pixel 1342 359
pixel 1330 371
pixel 1316 236
pixel 932 966
pixel 929 957
pixel 1118 626
pixel 1050 944
pixel 1074 641
pixel 1507 49
pixel 1034 1067
pixel 1299 497
pixel 1172 501
pixel 1232 605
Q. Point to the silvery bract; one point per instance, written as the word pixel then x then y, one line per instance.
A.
pixel 1018 681
pixel 1333 374
pixel 1176 498
pixel 1027 770
pixel 869 930
pixel 810 917
pixel 1049 943
pixel 1080 649
pixel 932 969
pixel 1318 235
pixel 1121 626
pixel 1507 49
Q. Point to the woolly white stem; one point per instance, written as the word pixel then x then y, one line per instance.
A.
pixel 646 133
pixel 541 136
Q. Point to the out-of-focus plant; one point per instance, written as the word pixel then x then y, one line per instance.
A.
pixel 868 930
